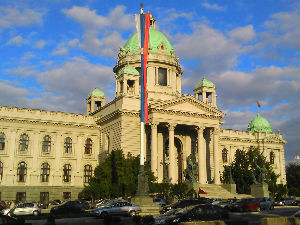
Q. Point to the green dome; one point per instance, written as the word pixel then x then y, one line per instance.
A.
pixel 205 83
pixel 96 93
pixel 259 124
pixel 155 39
pixel 128 70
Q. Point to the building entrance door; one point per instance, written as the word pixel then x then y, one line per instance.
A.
pixel 178 146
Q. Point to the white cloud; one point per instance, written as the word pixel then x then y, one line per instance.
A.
pixel 242 34
pixel 22 71
pixel 209 48
pixel 17 40
pixel 73 43
pixel 27 56
pixel 101 34
pixel 18 17
pixel 283 29
pixel 40 44
pixel 212 6
pixel 75 79
pixel 60 50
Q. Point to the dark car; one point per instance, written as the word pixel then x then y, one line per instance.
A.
pixel 266 203
pixel 75 206
pixel 199 213
pixel 3 205
pixel 11 220
pixel 286 201
pixel 184 203
pixel 54 202
pixel 246 204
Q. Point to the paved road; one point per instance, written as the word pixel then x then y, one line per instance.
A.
pixel 253 218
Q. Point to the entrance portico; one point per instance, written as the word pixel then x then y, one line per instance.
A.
pixel 176 132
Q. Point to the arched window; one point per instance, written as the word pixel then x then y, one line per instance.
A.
pixel 88 146
pixel 45 172
pixel 87 173
pixel 23 142
pixel 1 170
pixel 2 141
pixel 272 157
pixel 224 155
pixel 22 172
pixel 67 173
pixel 46 147
pixel 68 145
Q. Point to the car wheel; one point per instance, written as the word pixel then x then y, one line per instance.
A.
pixel 132 213
pixel 104 215
pixel 35 213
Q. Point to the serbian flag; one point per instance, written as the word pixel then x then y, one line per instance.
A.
pixel 142 22
pixel 258 104
pixel 201 192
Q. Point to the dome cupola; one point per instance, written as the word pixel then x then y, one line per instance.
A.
pixel 259 124
pixel 95 101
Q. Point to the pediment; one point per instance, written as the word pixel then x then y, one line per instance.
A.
pixel 275 139
pixel 188 104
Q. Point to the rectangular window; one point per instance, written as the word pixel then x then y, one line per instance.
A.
pixel 162 76
pixel 21 196
pixel 44 197
pixel 66 195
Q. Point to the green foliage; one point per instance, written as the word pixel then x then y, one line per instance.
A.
pixel 278 191
pixel 169 191
pixel 115 177
pixel 245 170
pixel 293 179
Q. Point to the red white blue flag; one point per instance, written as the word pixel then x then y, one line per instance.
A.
pixel 142 25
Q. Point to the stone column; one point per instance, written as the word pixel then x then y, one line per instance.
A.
pixel 203 96
pixel 282 166
pixel 172 172
pixel 154 148
pixel 156 75
pixel 201 156
pixel 216 156
pixel 214 99
pixel 125 87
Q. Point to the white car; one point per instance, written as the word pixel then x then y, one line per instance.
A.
pixel 23 209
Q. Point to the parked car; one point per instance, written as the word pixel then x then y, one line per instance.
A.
pixel 120 208
pixel 246 204
pixel 184 203
pixel 227 203
pixel 199 212
pixel 3 205
pixel 286 201
pixel 266 203
pixel 100 203
pixel 297 214
pixel 160 202
pixel 162 219
pixel 23 209
pixel 55 202
pixel 74 206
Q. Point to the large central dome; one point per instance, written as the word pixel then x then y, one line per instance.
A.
pixel 156 38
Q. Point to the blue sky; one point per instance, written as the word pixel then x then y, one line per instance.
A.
pixel 53 53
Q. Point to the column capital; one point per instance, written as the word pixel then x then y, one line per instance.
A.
pixel 172 126
pixel 200 128
pixel 217 130
pixel 154 124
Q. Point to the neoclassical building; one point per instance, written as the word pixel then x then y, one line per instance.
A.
pixel 50 155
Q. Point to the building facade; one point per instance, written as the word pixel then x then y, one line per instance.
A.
pixel 53 154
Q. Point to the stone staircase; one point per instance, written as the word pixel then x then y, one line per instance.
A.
pixel 218 191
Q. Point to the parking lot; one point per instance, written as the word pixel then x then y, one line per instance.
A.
pixel 253 218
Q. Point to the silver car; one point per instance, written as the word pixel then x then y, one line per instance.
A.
pixel 24 209
pixel 117 208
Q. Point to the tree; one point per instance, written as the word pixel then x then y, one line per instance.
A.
pixel 293 179
pixel 246 170
pixel 115 177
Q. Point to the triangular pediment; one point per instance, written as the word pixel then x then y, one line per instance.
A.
pixel 275 139
pixel 188 104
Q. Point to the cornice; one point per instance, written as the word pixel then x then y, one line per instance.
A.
pixel 117 113
pixel 48 123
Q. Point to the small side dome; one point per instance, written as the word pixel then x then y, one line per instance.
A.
pixel 205 83
pixel 128 70
pixel 259 124
pixel 96 93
